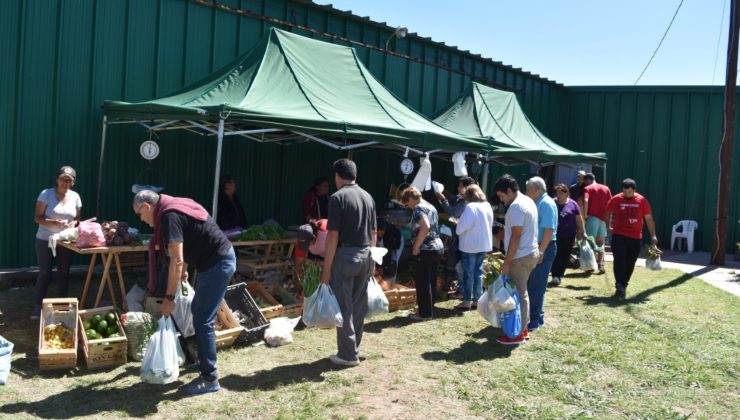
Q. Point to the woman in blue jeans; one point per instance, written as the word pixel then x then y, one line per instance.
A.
pixel 475 230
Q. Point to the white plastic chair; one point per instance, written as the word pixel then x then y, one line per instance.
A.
pixel 687 232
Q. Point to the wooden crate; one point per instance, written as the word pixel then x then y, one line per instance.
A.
pixel 53 311
pixel 132 259
pixel 292 306
pixel 274 308
pixel 400 298
pixel 102 352
pixel 231 330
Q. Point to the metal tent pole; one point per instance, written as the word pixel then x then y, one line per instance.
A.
pixel 484 181
pixel 604 174
pixel 217 174
pixel 100 165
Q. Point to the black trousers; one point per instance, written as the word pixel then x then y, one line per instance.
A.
pixel 45 259
pixel 625 250
pixel 565 246
pixel 426 281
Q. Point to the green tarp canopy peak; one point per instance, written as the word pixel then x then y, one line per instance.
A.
pixel 494 114
pixel 294 83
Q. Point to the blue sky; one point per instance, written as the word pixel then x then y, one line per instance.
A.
pixel 574 42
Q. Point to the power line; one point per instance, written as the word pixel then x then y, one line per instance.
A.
pixel 660 43
pixel 719 38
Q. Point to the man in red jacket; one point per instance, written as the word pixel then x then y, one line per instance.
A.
pixel 596 196
pixel 624 215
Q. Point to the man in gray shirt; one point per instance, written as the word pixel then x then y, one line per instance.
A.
pixel 347 262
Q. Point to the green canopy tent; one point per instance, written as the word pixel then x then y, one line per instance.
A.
pixel 488 113
pixel 291 89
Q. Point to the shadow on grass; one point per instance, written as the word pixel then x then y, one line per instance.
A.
pixel 267 380
pixel 582 275
pixel 98 398
pixel 577 288
pixel 472 351
pixel 404 321
pixel 639 298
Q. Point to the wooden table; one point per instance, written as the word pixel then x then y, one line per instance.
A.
pixel 109 255
pixel 268 254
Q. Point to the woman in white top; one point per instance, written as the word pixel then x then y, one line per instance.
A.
pixel 56 209
pixel 475 230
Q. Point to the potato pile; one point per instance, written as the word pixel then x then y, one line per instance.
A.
pixel 116 233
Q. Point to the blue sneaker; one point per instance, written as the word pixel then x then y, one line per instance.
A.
pixel 541 321
pixel 200 386
pixel 532 326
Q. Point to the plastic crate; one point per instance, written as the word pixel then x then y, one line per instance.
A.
pixel 238 298
pixel 55 311
pixel 102 352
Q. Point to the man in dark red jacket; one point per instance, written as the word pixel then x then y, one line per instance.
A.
pixel 184 230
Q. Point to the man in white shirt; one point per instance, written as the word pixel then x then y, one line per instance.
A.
pixel 520 242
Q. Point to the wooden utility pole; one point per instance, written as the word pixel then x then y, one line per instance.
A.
pixel 719 240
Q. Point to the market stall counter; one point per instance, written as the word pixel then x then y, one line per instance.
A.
pixel 109 255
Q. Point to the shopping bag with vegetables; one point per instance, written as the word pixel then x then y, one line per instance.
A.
pixel 161 364
pixel 502 290
pixel 377 303
pixel 321 310
pixel 653 258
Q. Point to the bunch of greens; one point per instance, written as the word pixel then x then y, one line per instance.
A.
pixel 261 233
pixel 653 253
pixel 311 278
pixel 491 269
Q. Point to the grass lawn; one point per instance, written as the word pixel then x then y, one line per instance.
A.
pixel 669 351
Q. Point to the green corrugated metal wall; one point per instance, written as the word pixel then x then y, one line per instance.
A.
pixel 667 139
pixel 61 59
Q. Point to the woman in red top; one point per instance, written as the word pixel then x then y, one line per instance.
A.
pixel 629 209
pixel 316 201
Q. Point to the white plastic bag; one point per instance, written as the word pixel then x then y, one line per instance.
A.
pixel 486 310
pixel 423 179
pixel 653 264
pixel 587 257
pixel 280 331
pixel 135 298
pixel 321 310
pixel 182 315
pixel 6 352
pixel 503 301
pixel 458 162
pixel 377 303
pixel 161 364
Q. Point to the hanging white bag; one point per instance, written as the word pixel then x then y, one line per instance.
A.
pixel 503 301
pixel 423 179
pixel 182 314
pixel 458 162
pixel 377 303
pixel 587 257
pixel 321 310
pixel 485 309
pixel 161 363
